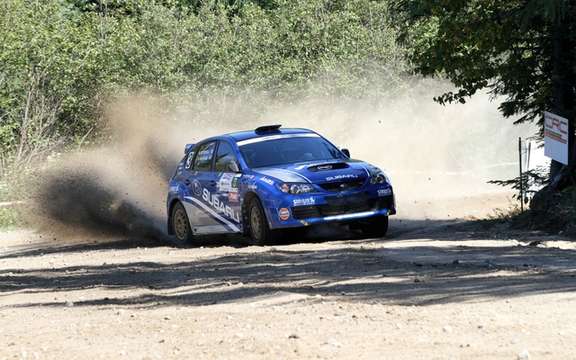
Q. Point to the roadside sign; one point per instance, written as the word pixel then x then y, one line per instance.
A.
pixel 556 137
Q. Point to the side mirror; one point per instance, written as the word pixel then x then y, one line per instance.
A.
pixel 346 152
pixel 232 166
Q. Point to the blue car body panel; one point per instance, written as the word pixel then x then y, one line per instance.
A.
pixel 342 189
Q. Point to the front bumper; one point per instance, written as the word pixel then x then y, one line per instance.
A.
pixel 344 217
pixel 324 208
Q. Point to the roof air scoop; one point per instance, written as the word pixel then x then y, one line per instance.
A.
pixel 268 129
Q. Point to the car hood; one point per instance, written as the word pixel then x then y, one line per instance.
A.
pixel 319 172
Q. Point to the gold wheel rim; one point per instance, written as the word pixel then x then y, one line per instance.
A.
pixel 180 224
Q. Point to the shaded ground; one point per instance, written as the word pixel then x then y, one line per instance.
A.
pixel 432 289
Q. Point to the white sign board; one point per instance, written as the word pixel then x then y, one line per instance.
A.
pixel 556 137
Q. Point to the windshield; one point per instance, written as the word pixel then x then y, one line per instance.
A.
pixel 288 150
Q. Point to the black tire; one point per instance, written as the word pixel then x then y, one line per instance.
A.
pixel 180 226
pixel 374 227
pixel 259 232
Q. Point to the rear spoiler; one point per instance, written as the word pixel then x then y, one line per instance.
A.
pixel 187 148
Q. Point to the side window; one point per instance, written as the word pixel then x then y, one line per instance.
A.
pixel 203 159
pixel 225 158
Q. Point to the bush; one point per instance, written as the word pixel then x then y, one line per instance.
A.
pixel 61 59
pixel 9 218
pixel 553 211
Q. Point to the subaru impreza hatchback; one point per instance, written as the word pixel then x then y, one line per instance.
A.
pixel 261 182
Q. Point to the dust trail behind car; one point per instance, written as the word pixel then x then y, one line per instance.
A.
pixel 114 188
pixel 433 153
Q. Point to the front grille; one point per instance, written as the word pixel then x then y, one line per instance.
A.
pixel 306 212
pixel 341 185
pixel 341 206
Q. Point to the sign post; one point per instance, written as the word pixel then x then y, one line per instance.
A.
pixel 521 175
pixel 556 142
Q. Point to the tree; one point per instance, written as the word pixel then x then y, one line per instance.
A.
pixel 62 59
pixel 523 50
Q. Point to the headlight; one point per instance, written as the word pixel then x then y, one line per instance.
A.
pixel 292 188
pixel 379 178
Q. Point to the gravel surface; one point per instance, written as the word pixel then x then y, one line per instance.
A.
pixel 431 290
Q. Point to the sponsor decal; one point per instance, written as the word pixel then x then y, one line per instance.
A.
pixel 174 188
pixel 224 184
pixel 235 181
pixel 284 175
pixel 341 177
pixel 197 188
pixel 189 159
pixel 305 201
pixel 219 206
pixel 212 212
pixel 284 214
pixel 384 192
pixel 233 197
pixel 252 187
pixel 267 180
pixel 273 137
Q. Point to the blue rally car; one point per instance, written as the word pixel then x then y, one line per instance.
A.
pixel 260 182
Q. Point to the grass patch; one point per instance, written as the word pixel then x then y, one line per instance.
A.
pixel 10 218
pixel 504 215
pixel 555 211
pixel 552 212
pixel 4 192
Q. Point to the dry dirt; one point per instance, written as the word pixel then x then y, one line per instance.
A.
pixel 431 290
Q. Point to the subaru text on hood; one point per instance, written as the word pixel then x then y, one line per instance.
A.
pixel 260 182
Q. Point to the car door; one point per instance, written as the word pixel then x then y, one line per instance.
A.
pixel 227 176
pixel 200 182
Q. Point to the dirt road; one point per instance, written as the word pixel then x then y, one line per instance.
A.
pixel 431 290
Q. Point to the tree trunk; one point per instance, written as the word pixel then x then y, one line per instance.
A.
pixel 563 81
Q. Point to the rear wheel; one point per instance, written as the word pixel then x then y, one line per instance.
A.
pixel 259 231
pixel 181 226
pixel 374 227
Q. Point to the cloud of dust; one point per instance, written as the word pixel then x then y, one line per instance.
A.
pixel 118 187
pixel 439 158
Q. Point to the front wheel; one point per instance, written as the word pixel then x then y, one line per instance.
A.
pixel 259 231
pixel 374 227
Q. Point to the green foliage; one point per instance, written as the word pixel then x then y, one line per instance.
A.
pixel 61 59
pixel 9 218
pixel 552 211
pixel 530 182
pixel 506 47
